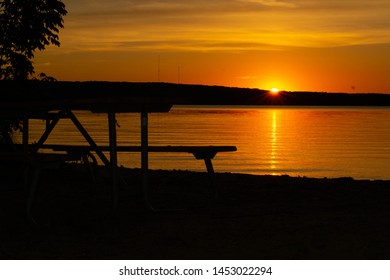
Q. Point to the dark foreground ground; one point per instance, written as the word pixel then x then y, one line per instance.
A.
pixel 255 217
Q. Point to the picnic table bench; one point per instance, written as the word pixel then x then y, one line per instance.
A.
pixel 206 153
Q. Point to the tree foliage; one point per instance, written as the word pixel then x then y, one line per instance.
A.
pixel 27 26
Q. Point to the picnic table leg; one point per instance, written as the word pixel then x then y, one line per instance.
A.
pixel 209 165
pixel 48 130
pixel 210 171
pixel 145 157
pixel 207 156
pixel 25 134
pixel 36 170
pixel 113 158
pixel 87 137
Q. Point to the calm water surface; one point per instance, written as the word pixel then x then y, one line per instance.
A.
pixel 315 142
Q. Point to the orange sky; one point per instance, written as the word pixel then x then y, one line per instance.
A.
pixel 310 45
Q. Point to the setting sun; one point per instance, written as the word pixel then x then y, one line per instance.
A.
pixel 274 91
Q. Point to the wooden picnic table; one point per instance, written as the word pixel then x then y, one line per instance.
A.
pixel 57 100
pixel 205 153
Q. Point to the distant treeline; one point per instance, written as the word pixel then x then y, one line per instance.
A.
pixel 216 95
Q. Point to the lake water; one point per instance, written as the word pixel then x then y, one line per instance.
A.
pixel 301 141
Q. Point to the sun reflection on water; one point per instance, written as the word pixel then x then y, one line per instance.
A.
pixel 273 159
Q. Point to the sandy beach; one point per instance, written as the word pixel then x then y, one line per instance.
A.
pixel 254 217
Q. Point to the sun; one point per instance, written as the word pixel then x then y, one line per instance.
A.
pixel 274 91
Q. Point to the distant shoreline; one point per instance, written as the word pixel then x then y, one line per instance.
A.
pixel 280 107
pixel 59 94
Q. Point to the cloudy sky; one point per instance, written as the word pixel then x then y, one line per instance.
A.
pixel 311 45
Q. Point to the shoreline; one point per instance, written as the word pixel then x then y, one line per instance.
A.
pixel 254 217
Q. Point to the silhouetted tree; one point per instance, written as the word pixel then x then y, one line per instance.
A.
pixel 25 27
